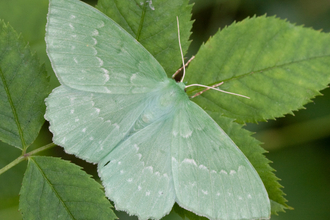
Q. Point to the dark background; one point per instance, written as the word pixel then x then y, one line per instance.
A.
pixel 298 145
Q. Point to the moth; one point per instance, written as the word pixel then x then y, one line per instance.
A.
pixel 154 146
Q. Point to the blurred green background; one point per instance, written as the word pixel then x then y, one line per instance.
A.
pixel 298 145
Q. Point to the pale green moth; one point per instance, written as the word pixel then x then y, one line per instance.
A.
pixel 153 146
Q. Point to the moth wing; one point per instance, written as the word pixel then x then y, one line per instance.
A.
pixel 90 125
pixel 137 174
pixel 90 52
pixel 212 177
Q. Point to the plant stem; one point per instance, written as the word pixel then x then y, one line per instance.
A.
pixel 25 156
pixel 13 163
pixel 40 149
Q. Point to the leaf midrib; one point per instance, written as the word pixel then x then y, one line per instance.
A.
pixel 53 189
pixel 138 34
pixel 272 67
pixel 11 103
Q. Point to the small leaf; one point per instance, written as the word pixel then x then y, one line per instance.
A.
pixel 153 24
pixel 23 88
pixel 278 65
pixel 56 189
pixel 252 150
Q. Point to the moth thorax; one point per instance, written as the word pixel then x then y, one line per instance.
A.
pixel 171 93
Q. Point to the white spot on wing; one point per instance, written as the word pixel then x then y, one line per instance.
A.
pixel 232 172
pixel 188 134
pixel 107 77
pixel 76 120
pixel 224 172
pixel 149 168
pixel 136 147
pixel 148 193
pixel 101 24
pixel 130 180
pixel 95 33
pixel 202 167
pixel 139 188
pixel 100 61
pixel 190 161
pixel 94 40
pixel 174 133
pixel 71 111
pixel 91 138
pixel 107 90
pixel 205 192
pixel 75 60
pixel 72 16
pixel 133 77
pixel 240 168
pixel 105 71
pixel 71 26
pixel 95 51
pixel 249 196
pixel 122 171
pixel 83 130
pixel 97 110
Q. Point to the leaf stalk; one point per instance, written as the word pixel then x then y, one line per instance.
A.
pixel 25 156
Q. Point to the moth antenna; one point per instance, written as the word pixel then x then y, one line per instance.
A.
pixel 176 73
pixel 183 65
pixel 213 87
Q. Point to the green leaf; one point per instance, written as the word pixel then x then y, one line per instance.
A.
pixel 183 213
pixel 23 88
pixel 68 191
pixel 153 24
pixel 278 65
